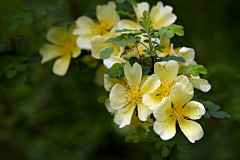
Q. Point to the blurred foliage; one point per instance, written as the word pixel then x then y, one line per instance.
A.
pixel 43 116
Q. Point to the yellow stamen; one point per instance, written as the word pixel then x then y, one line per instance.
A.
pixel 133 95
pixel 69 45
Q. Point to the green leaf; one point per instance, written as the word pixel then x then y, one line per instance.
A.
pixel 11 25
pixel 212 107
pixel 120 1
pixel 102 99
pixel 106 53
pixel 134 60
pixel 145 70
pixel 131 39
pixel 134 137
pixel 156 157
pixel 26 19
pixel 220 114
pixel 126 13
pixel 162 31
pixel 31 72
pixel 15 15
pixel 11 73
pixel 207 115
pixel 175 26
pixel 141 131
pixel 159 144
pixel 20 78
pixel 21 67
pixel 40 11
pixel 116 66
pixel 183 146
pixel 179 32
pixel 179 59
pixel 143 31
pixel 165 151
pixel 142 24
pixel 132 2
pixel 170 33
pixel 172 141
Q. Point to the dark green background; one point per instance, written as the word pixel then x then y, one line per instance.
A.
pixel 51 117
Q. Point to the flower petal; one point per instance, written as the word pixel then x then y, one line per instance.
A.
pixel 97 45
pixel 140 8
pixel 181 93
pixel 61 65
pixel 116 96
pixel 49 52
pixel 181 78
pixel 53 35
pixel 201 84
pixel 165 129
pixel 163 110
pixel 127 24
pixel 133 74
pixel 84 26
pixel 107 13
pixel 123 116
pixel 143 112
pixel 108 106
pixel 164 39
pixel 151 84
pixel 192 130
pixel 109 82
pixel 194 110
pixel 76 52
pixel 188 54
pixel 167 71
pixel 84 41
pixel 151 100
pixel 109 62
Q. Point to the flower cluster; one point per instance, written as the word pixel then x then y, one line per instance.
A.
pixel 145 75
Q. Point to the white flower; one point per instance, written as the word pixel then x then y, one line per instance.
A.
pixel 107 17
pixel 124 98
pixel 177 108
pixel 161 16
pixel 167 73
pixel 63 46
pixel 199 83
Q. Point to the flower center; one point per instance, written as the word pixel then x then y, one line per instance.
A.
pixel 100 27
pixel 164 89
pixel 178 112
pixel 68 47
pixel 133 96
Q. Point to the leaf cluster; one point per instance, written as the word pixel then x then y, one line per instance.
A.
pixel 214 110
pixel 192 69
pixel 171 30
pixel 116 71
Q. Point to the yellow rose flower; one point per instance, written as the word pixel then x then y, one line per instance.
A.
pixel 177 108
pixel 63 45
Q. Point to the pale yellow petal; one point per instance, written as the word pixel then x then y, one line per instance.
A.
pixel 58 35
pixel 84 26
pixel 97 45
pixel 201 84
pixel 163 110
pixel 117 96
pixel 194 110
pixel 109 62
pixel 167 71
pixel 151 84
pixel 181 93
pixel 108 106
pixel 165 129
pixel 164 40
pixel 143 112
pixel 61 65
pixel 123 116
pixel 76 52
pixel 151 100
pixel 188 54
pixel 49 52
pixel 109 82
pixel 140 8
pixel 127 24
pixel 84 41
pixel 107 14
pixel 133 74
pixel 181 78
pixel 192 130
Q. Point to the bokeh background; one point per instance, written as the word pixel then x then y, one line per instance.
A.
pixel 43 116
